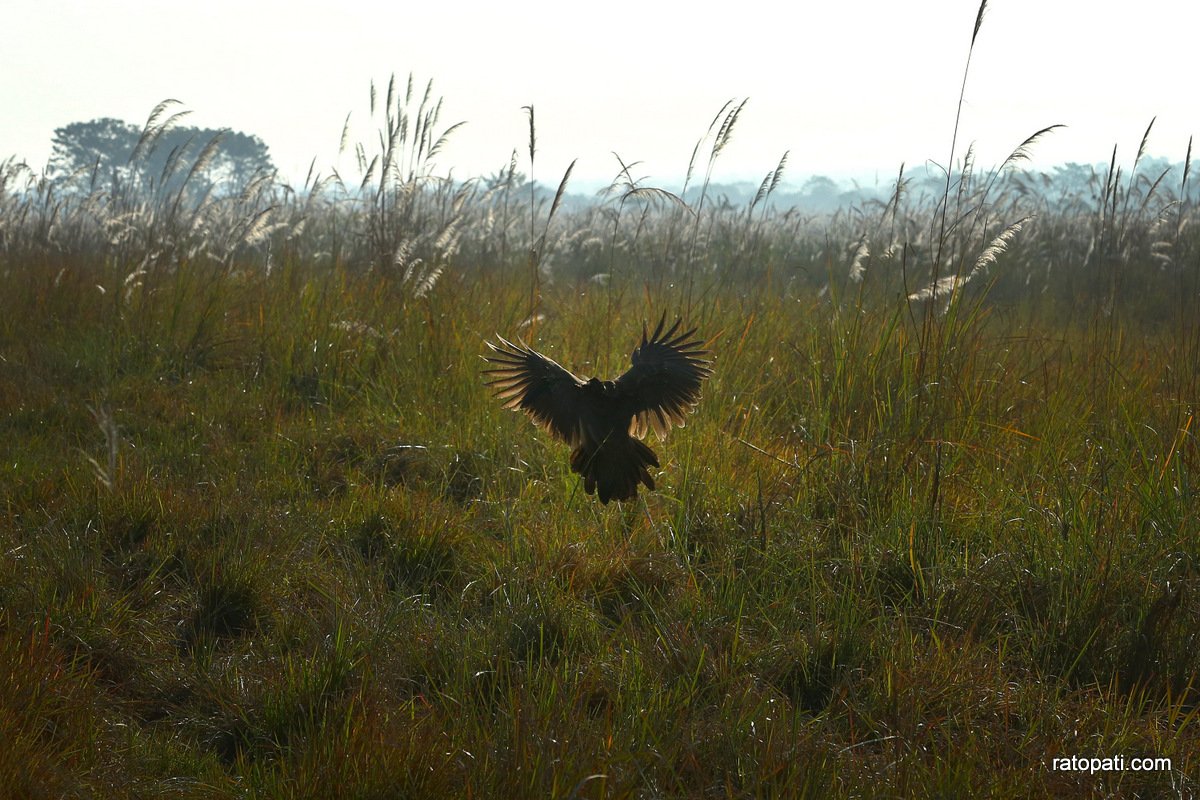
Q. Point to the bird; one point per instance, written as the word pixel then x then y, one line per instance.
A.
pixel 604 421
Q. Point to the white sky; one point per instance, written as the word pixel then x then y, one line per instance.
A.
pixel 850 88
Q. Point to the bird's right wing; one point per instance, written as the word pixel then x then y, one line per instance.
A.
pixel 528 381
pixel 663 384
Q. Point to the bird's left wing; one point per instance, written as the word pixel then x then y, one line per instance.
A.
pixel 664 382
pixel 528 381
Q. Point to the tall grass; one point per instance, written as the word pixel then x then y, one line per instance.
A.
pixel 264 532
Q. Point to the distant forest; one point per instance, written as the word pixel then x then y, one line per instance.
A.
pixel 85 153
pixel 1058 188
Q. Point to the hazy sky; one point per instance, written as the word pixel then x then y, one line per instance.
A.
pixel 850 88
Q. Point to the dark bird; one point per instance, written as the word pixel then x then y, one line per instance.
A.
pixel 604 421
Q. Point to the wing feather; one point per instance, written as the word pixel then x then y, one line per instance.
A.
pixel 663 385
pixel 528 381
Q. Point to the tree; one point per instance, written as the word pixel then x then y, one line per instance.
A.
pixel 820 193
pixel 102 144
pixel 106 147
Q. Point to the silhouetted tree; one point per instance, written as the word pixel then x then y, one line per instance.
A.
pixel 102 144
pixel 104 147
pixel 821 192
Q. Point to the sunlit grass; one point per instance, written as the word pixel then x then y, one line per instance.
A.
pixel 327 555
pixel 263 531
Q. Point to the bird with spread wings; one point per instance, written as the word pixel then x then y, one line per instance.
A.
pixel 604 421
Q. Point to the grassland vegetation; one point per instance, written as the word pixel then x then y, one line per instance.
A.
pixel 264 532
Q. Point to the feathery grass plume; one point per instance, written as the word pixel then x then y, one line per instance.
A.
pixel 1111 179
pixel 427 280
pixel 437 146
pixel 624 177
pixel 893 203
pixel 172 163
pixel 1105 215
pixel 777 175
pixel 691 167
pixel 558 195
pixel 1023 151
pixel 402 258
pixel 716 120
pixel 345 137
pixel 1133 176
pixel 107 473
pixel 424 120
pixel 532 132
pixel 368 170
pixel 725 133
pixel 258 186
pixel 949 284
pixel 725 121
pixel 258 228
pixel 207 154
pixel 656 195
pixel 858 267
pixel 962 94
pixel 1149 194
pixel 505 181
pixel 154 129
pixel 532 165
pixel 447 241
pixel 966 175
pixel 1181 219
pixel 942 287
pixel 1141 151
pixel 1187 169
pixel 1160 253
pixel 769 183
pixel 997 246
pixel 978 21
pixel 539 246
pixel 512 168
pixel 136 279
pixel 360 158
pixel 687 182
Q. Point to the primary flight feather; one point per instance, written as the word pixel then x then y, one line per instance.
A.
pixel 604 421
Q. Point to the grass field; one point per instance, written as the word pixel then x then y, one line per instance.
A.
pixel 264 532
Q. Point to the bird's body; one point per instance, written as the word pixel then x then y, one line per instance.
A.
pixel 604 421
pixel 611 462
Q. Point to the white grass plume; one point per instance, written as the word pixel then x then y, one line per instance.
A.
pixel 948 285
pixel 858 267
pixel 997 246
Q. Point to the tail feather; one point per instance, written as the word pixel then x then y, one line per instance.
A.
pixel 614 468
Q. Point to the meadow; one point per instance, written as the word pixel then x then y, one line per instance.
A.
pixel 264 532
